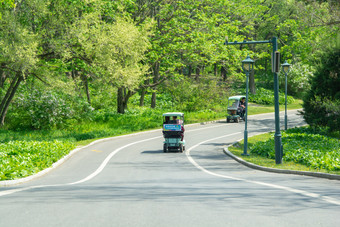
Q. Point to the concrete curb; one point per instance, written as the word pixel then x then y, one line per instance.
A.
pixel 284 171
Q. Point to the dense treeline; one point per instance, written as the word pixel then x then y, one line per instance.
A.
pixel 62 59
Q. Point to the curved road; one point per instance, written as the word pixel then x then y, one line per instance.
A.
pixel 129 181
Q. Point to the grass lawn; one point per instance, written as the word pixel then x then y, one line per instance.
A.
pixel 237 150
pixel 270 108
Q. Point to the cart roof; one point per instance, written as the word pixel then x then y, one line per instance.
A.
pixel 237 97
pixel 171 114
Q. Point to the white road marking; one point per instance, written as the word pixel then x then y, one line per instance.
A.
pixel 98 170
pixel 108 158
pixel 297 191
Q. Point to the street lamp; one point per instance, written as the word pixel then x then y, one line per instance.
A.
pixel 277 135
pixel 285 69
pixel 247 66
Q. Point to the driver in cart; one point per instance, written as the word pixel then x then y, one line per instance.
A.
pixel 242 107
pixel 177 121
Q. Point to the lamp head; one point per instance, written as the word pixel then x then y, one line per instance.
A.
pixel 285 67
pixel 248 65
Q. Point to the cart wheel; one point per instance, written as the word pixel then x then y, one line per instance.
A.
pixel 228 120
pixel 165 148
pixel 181 148
pixel 237 120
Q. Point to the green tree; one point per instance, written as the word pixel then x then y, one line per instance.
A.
pixel 19 50
pixel 321 106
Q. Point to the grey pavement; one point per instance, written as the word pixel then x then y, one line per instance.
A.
pixel 129 181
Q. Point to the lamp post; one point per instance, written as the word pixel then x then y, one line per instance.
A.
pixel 285 69
pixel 247 66
pixel 277 135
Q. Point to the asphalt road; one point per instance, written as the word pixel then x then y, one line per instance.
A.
pixel 129 181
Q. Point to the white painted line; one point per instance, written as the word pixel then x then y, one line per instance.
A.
pixel 297 191
pixel 92 175
pixel 99 169
pixel 107 159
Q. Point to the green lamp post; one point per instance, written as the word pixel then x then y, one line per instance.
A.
pixel 285 69
pixel 277 135
pixel 247 66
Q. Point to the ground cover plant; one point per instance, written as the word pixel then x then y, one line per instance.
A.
pixel 265 97
pixel 305 148
pixel 20 159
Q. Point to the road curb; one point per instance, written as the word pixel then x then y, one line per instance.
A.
pixel 284 171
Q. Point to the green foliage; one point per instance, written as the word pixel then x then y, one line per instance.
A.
pixel 266 97
pixel 190 95
pixel 20 159
pixel 298 79
pixel 37 109
pixel 321 105
pixel 304 146
pixel 18 45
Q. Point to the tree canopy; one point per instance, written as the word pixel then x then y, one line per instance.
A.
pixel 97 49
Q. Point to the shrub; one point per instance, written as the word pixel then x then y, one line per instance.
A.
pixel 266 97
pixel 38 109
pixel 321 105
pixel 190 95
pixel 298 79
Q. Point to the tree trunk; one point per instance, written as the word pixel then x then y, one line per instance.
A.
pixel 223 73
pixel 155 80
pixel 143 92
pixel 142 97
pixel 153 100
pixel 120 100
pixel 189 71
pixel 8 97
pixel 197 72
pixel 86 87
pixel 215 69
pixel 2 79
pixel 252 87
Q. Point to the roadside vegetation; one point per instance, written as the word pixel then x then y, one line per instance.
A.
pixel 26 152
pixel 75 71
pixel 305 149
